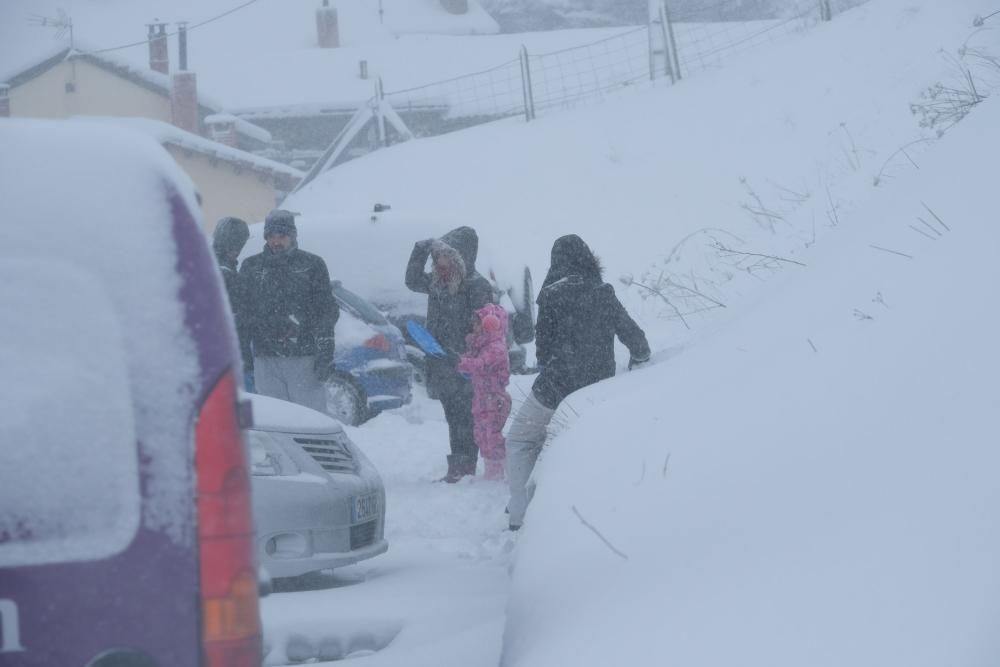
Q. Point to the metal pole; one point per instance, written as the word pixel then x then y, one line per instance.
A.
pixel 182 45
pixel 649 39
pixel 379 114
pixel 529 95
pixel 666 46
pixel 673 39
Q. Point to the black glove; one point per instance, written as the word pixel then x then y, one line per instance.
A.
pixel 323 366
pixel 634 363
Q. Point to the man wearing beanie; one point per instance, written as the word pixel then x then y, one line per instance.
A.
pixel 290 316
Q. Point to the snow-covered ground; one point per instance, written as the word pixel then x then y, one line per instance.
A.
pixel 438 596
pixel 804 477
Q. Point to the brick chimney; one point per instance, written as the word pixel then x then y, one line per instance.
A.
pixel 184 90
pixel 456 6
pixel 159 56
pixel 222 128
pixel 184 101
pixel 327 29
pixel 4 101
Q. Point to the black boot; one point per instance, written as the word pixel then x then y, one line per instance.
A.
pixel 459 466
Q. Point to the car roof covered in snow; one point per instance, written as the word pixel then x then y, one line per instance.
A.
pixel 272 414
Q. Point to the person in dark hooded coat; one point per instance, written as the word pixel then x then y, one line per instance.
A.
pixel 579 317
pixel 230 236
pixel 455 291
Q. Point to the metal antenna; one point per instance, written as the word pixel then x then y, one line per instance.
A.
pixel 63 24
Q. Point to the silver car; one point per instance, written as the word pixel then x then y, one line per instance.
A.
pixel 318 502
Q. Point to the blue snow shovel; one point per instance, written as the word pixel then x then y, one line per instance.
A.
pixel 425 340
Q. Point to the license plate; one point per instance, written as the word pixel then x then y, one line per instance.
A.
pixel 364 508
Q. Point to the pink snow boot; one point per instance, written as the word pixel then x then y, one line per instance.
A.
pixel 494 470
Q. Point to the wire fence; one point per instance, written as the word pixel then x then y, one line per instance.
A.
pixel 669 48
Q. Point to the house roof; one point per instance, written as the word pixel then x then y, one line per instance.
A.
pixel 147 78
pixel 167 134
pixel 151 80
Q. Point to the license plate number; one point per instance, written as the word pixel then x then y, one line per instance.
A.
pixel 364 508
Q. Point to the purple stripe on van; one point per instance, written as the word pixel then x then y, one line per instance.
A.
pixel 205 310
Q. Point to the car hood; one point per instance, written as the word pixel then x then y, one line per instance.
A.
pixel 272 414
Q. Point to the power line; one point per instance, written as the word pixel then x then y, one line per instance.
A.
pixel 170 34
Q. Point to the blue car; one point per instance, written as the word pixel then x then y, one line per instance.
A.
pixel 372 372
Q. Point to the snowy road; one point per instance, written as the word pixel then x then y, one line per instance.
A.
pixel 438 597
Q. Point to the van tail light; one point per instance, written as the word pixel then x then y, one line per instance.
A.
pixel 379 342
pixel 230 632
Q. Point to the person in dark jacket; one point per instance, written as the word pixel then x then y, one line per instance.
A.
pixel 230 236
pixel 578 319
pixel 290 316
pixel 455 291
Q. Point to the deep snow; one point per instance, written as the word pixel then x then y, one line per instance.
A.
pixel 806 477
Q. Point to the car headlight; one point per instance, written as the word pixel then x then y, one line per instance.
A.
pixel 267 457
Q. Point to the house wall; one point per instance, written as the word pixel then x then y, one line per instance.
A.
pixel 96 92
pixel 225 189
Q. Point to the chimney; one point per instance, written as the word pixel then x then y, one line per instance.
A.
pixel 327 30
pixel 184 90
pixel 182 45
pixel 159 57
pixel 456 6
pixel 222 128
pixel 184 101
pixel 4 101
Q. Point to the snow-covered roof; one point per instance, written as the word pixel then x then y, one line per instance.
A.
pixel 265 54
pixel 150 79
pixel 242 126
pixel 165 133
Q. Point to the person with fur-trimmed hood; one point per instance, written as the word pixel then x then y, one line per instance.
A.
pixel 455 291
pixel 579 317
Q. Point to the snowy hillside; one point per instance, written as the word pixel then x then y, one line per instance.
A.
pixel 807 476
pixel 813 485
pixel 799 129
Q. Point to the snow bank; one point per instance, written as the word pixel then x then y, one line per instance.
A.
pixel 814 484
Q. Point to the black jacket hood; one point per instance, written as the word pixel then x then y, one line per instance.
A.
pixel 572 257
pixel 230 236
pixel 466 242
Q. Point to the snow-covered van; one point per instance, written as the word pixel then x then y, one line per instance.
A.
pixel 126 535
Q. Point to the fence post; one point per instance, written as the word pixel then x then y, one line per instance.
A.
pixel 825 13
pixel 380 114
pixel 526 88
pixel 649 49
pixel 673 39
pixel 666 45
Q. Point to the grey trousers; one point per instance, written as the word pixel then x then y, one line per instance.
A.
pixel 290 379
pixel 524 443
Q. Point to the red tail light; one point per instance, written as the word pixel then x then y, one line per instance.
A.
pixel 231 635
pixel 379 342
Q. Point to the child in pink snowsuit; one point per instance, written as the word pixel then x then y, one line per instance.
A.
pixel 487 364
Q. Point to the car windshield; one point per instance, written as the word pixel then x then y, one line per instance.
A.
pixel 361 308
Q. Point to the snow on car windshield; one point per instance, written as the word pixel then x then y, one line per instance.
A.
pixel 110 217
pixel 69 476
